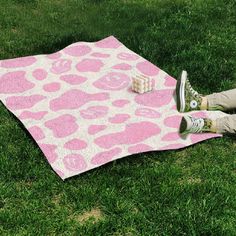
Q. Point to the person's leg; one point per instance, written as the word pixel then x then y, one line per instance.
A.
pixel 189 100
pixel 225 125
pixel 224 101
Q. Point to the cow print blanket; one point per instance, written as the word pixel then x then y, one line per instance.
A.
pixel 78 105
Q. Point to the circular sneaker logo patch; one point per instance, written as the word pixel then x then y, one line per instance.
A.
pixel 193 104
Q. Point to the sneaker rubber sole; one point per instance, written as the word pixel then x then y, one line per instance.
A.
pixel 183 126
pixel 180 87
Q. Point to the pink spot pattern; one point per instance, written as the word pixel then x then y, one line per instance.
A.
pixel 59 173
pixel 18 62
pixel 199 114
pixel 93 129
pixel 37 133
pixel 61 66
pixel 172 136
pixel 49 151
pixel 174 107
pixel 139 148
pixel 147 112
pixel 94 112
pixel 170 81
pixel 74 162
pixel 78 105
pixel 32 115
pixel 127 56
pixel 112 81
pixel 101 55
pixel 75 144
pixel 106 156
pixel 89 65
pixel 119 118
pixel 23 102
pixel 51 87
pixel 40 74
pixel 62 126
pixel 173 121
pixel 133 133
pixel 120 102
pixel 15 82
pixel 73 79
pixel 156 98
pixel 109 42
pixel 122 66
pixel 147 68
pixel 77 50
pixel 74 99
pixel 54 55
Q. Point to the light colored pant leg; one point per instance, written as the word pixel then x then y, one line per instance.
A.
pixel 226 125
pixel 223 101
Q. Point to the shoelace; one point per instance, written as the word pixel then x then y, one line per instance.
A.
pixel 194 92
pixel 197 124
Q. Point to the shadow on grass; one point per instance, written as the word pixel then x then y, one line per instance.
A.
pixel 62 42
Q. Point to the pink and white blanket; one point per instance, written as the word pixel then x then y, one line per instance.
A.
pixel 78 105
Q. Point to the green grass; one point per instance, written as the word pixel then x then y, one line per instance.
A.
pixel 186 192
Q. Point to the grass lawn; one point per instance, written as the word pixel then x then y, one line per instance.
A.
pixel 185 192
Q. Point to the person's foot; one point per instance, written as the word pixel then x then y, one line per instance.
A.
pixel 190 124
pixel 187 98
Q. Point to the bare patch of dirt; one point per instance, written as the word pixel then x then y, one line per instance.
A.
pixel 190 181
pixel 94 215
pixel 56 199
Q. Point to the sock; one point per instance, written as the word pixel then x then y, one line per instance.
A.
pixel 204 103
pixel 209 125
pixel 213 127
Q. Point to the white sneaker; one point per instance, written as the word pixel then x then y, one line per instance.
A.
pixel 190 124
